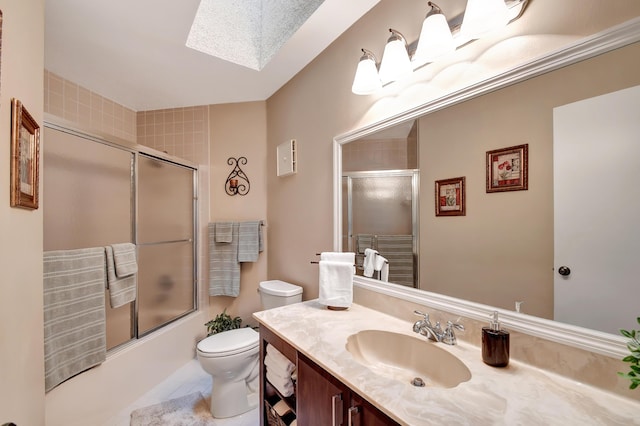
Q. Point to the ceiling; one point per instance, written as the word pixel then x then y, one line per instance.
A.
pixel 134 52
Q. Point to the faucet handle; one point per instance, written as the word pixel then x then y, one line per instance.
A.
pixel 422 314
pixel 449 336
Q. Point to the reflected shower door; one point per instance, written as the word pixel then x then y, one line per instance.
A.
pixel 381 212
pixel 165 238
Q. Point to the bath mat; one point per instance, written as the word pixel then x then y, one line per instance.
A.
pixel 189 410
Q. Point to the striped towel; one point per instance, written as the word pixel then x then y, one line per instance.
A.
pixel 121 290
pixel 249 241
pixel 223 232
pixel 124 257
pixel 224 268
pixel 74 314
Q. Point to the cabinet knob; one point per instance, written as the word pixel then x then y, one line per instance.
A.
pixel 564 271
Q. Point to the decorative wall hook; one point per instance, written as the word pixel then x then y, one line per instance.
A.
pixel 234 186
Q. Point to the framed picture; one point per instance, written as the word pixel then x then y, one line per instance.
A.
pixel 450 197
pixel 25 152
pixel 507 169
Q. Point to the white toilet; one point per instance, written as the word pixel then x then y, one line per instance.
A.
pixel 231 357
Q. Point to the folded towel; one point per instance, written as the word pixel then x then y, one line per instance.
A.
pixel 285 387
pixel 283 363
pixel 121 290
pixel 382 265
pixel 278 369
pixel 223 232
pixel 124 258
pixel 347 257
pixel 74 314
pixel 224 268
pixel 336 284
pixel 249 241
pixel 369 261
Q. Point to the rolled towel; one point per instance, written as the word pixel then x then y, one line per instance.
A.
pixel 336 284
pixel 369 261
pixel 284 386
pixel 282 362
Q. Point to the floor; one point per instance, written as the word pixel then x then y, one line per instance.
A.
pixel 188 379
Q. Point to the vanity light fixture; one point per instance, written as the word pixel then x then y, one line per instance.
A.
pixel 435 38
pixel 367 80
pixel 395 59
pixel 438 37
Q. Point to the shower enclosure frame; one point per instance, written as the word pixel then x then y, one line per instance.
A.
pixel 138 151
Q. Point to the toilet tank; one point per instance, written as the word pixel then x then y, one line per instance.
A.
pixel 276 293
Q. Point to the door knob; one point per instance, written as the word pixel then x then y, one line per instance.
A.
pixel 564 271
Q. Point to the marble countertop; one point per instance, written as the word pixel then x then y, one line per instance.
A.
pixel 515 395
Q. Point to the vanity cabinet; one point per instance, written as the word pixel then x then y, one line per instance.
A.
pixel 320 399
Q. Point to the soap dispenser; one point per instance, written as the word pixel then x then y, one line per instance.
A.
pixel 495 344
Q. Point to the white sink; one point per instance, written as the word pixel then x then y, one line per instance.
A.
pixel 402 357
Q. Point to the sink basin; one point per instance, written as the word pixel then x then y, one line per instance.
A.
pixel 405 358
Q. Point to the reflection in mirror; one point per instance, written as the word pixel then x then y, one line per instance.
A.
pixel 502 252
pixel 380 195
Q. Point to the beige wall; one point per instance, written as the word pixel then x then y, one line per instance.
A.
pixel 317 104
pixel 239 130
pixel 21 315
pixel 502 250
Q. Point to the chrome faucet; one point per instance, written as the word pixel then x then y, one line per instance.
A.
pixel 424 327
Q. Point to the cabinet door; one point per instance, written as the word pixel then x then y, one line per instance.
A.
pixel 320 398
pixel 362 413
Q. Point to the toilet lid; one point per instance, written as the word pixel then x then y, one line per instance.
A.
pixel 229 342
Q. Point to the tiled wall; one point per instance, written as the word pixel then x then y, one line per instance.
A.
pixel 181 132
pixel 87 109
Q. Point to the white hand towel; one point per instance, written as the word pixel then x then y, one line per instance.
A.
pixel 346 257
pixel 285 387
pixel 278 368
pixel 336 284
pixel 282 361
pixel 369 261
pixel 382 265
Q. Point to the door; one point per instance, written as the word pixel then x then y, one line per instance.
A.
pixel 596 172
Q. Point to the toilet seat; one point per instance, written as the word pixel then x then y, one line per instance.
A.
pixel 228 343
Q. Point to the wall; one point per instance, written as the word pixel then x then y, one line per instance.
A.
pixel 502 250
pixel 317 104
pixel 21 317
pixel 239 130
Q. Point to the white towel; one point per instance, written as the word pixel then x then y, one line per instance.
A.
pixel 282 361
pixel 336 284
pixel 284 386
pixel 340 257
pixel 382 265
pixel 369 261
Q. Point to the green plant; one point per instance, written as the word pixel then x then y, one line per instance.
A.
pixel 222 322
pixel 634 358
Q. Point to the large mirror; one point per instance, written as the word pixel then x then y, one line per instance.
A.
pixel 501 253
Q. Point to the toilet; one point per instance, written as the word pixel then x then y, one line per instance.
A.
pixel 232 357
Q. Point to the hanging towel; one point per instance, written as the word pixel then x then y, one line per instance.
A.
pixel 249 236
pixel 121 290
pixel 339 257
pixel 124 259
pixel 336 284
pixel 74 314
pixel 223 232
pixel 369 262
pixel 224 268
pixel 382 265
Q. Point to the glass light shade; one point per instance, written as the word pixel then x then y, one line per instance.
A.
pixel 435 39
pixel 366 80
pixel 395 59
pixel 483 16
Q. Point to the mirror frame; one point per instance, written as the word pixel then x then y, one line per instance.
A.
pixel 591 340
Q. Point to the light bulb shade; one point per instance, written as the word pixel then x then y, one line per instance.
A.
pixel 483 16
pixel 366 80
pixel 395 59
pixel 435 39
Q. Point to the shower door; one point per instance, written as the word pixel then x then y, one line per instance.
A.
pixel 381 213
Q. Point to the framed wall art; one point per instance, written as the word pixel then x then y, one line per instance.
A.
pixel 25 152
pixel 450 197
pixel 508 169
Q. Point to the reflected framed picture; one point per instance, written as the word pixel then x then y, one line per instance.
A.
pixel 450 197
pixel 25 152
pixel 508 169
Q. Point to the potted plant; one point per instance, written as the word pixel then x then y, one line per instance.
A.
pixel 222 322
pixel 634 358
